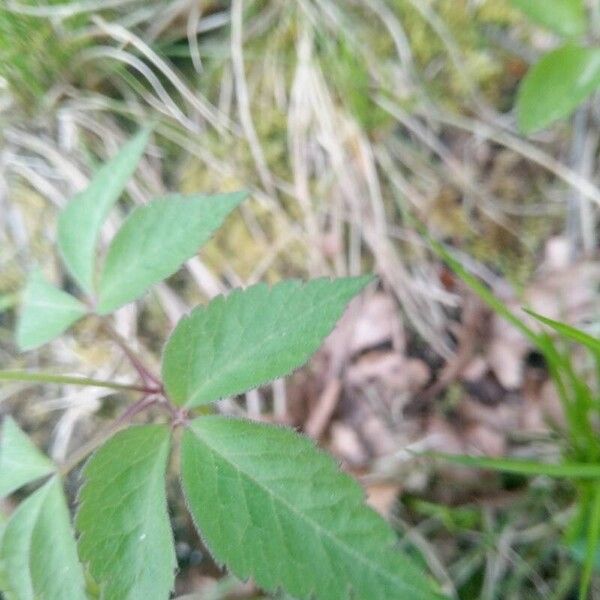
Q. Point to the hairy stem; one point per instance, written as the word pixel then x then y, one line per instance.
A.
pixel 138 364
pixel 38 377
pixel 137 407
pixel 84 451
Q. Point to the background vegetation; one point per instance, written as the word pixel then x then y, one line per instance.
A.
pixel 346 120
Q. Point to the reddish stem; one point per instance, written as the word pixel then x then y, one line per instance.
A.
pixel 136 407
pixel 145 374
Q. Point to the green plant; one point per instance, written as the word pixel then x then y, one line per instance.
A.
pixel 37 54
pixel 267 503
pixel 563 78
pixel 579 392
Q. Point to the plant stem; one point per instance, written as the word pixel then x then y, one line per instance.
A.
pixel 137 407
pixel 138 364
pixel 593 535
pixel 84 451
pixel 38 377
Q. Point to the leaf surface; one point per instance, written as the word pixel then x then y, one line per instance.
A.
pixel 20 461
pixel 271 506
pixel 125 532
pixel 3 576
pixel 251 336
pixel 46 312
pixel 155 240
pixel 38 550
pixel 16 545
pixel 565 17
pixel 556 85
pixel 80 222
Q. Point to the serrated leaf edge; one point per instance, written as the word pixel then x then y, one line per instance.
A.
pixel 101 311
pixel 239 291
pixel 78 501
pixel 339 471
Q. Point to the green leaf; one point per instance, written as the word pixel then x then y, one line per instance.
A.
pixel 125 532
pixel 272 507
pixel 46 313
pixel 15 548
pixel 569 332
pixel 38 551
pixel 556 85
pixel 3 575
pixel 592 543
pixel 577 385
pixel 251 337
pixel 155 240
pixel 565 17
pixel 568 470
pixel 20 461
pixel 80 222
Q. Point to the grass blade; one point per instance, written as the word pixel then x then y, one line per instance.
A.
pixel 568 470
pixel 593 535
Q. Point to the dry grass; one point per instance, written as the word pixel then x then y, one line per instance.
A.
pixel 342 118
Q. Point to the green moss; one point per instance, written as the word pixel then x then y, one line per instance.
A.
pixel 480 66
pixel 352 81
pixel 35 56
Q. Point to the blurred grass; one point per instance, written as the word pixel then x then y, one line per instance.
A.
pixel 42 58
pixel 36 56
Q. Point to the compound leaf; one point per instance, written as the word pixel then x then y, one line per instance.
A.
pixel 565 17
pixel 556 85
pixel 38 551
pixel 251 337
pixel 20 461
pixel 125 532
pixel 155 240
pixel 272 507
pixel 46 312
pixel 80 222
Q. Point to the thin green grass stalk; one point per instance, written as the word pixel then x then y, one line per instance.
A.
pixel 575 335
pixel 566 581
pixel 581 462
pixel 36 377
pixel 592 542
pixel 577 402
pixel 481 290
pixel 565 470
pixel 576 407
pixel 566 331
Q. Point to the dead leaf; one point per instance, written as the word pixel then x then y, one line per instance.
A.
pixel 320 415
pixel 346 444
pixel 382 497
pixel 481 439
pixel 368 323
